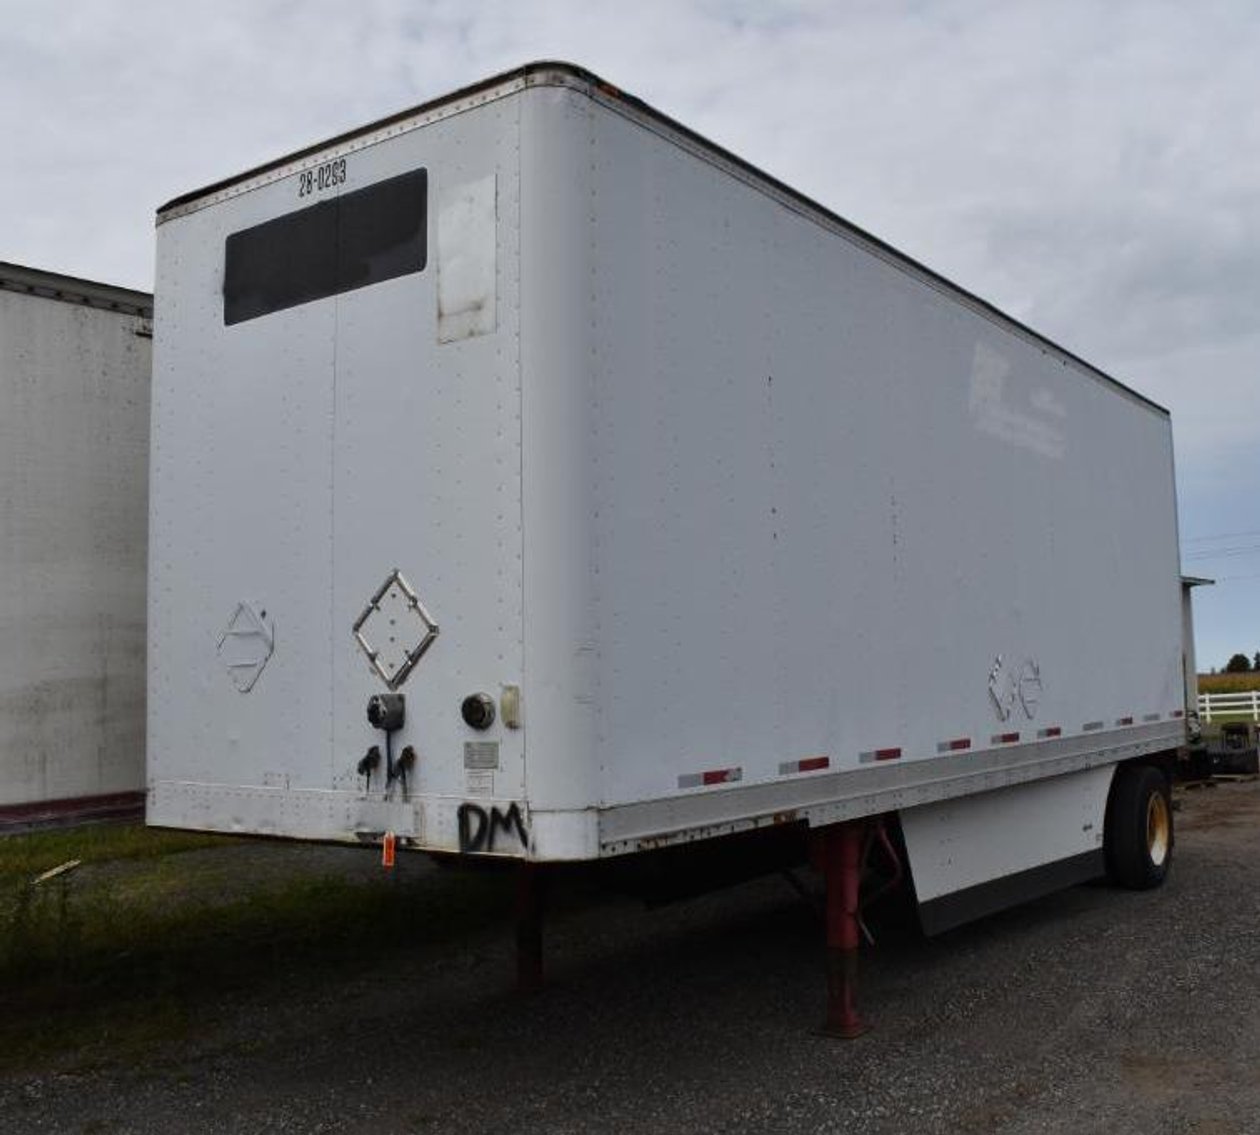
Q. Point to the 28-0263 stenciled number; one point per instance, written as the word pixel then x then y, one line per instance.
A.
pixel 322 177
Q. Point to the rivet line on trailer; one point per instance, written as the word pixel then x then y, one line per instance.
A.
pixel 710 777
pixel 806 764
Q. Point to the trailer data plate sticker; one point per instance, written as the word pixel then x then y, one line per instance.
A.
pixel 245 645
pixel 394 630
pixel 467 264
pixel 481 754
pixel 478 782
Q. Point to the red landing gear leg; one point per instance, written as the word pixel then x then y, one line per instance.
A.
pixel 842 870
pixel 531 894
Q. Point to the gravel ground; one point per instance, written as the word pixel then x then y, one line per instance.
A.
pixel 1090 1011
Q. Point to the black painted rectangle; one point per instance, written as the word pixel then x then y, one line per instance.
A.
pixel 347 242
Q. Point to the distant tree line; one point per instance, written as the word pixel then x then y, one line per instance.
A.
pixel 1241 664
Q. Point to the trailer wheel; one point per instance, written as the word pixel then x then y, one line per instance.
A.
pixel 1139 832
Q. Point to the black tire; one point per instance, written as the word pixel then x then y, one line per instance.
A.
pixel 1139 835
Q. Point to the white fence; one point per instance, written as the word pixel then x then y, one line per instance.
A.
pixel 1242 703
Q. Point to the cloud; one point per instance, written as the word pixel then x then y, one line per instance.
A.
pixel 1093 169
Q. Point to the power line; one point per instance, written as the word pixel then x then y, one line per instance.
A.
pixel 1220 536
pixel 1224 553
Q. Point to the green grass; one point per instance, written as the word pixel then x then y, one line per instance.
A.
pixel 22 857
pixel 125 953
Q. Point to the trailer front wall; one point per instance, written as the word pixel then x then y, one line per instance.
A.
pixel 74 425
pixel 305 450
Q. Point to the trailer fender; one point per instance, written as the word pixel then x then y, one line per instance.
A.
pixel 975 855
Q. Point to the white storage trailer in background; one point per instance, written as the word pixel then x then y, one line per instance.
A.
pixel 533 478
pixel 74 437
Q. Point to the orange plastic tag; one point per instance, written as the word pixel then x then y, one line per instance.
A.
pixel 387 850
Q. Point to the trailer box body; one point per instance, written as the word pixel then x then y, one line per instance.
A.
pixel 74 421
pixel 727 514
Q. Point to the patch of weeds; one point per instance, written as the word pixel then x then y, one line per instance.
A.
pixel 110 965
pixel 22 857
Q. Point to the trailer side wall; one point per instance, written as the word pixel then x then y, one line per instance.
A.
pixel 836 511
pixel 74 422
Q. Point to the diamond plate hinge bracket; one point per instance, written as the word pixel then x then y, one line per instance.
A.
pixel 394 630
pixel 245 644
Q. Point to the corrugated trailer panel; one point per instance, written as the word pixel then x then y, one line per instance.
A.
pixel 74 418
pixel 557 447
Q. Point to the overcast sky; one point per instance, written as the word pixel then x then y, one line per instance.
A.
pixel 1091 168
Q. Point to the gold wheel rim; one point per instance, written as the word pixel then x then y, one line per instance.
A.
pixel 1158 828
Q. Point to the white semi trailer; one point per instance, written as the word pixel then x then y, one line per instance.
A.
pixel 74 440
pixel 533 478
